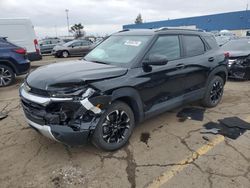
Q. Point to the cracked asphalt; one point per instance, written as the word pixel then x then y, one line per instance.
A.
pixel 162 152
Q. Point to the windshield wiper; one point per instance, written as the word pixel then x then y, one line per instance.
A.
pixel 95 61
pixel 101 62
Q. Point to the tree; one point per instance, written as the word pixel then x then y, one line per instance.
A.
pixel 77 30
pixel 138 19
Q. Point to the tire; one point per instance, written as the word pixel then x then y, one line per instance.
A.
pixel 7 76
pixel 214 92
pixel 64 54
pixel 102 137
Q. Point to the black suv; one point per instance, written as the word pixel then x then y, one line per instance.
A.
pixel 129 77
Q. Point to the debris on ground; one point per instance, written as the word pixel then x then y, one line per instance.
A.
pixel 191 113
pixel 235 122
pixel 144 138
pixel 231 127
pixel 206 138
pixel 3 115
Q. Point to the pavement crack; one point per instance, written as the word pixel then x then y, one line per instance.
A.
pixel 131 167
pixel 235 149
pixel 69 153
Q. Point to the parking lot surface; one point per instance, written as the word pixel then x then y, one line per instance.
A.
pixel 162 152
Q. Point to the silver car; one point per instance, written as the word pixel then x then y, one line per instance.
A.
pixel 73 48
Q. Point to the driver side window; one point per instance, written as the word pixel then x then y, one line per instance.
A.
pixel 168 46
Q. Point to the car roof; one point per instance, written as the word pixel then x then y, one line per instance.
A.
pixel 151 32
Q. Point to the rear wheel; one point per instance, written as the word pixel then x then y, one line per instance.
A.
pixel 65 54
pixel 115 127
pixel 7 76
pixel 214 92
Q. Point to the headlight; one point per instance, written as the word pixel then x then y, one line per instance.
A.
pixel 76 92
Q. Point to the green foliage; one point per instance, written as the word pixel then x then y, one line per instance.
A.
pixel 138 19
pixel 77 30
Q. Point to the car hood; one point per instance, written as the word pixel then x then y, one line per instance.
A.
pixel 238 53
pixel 71 73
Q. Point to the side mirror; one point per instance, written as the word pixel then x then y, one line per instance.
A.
pixel 157 60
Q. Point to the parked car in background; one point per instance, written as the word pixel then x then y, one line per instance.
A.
pixel 73 48
pixel 238 51
pixel 47 45
pixel 21 33
pixel 131 76
pixel 13 62
pixel 221 40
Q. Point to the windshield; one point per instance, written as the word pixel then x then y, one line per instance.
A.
pixel 237 45
pixel 118 49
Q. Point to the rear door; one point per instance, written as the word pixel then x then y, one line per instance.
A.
pixel 85 47
pixel 195 64
pixel 76 48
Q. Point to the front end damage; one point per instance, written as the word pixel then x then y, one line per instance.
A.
pixel 69 119
pixel 239 68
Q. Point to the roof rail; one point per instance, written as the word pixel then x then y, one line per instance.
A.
pixel 177 28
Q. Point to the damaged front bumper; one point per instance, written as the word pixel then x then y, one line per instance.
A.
pixel 239 69
pixel 66 120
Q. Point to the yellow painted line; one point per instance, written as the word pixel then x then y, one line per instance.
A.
pixel 168 175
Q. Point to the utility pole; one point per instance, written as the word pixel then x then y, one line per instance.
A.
pixel 67 15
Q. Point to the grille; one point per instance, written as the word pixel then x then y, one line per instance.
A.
pixel 33 111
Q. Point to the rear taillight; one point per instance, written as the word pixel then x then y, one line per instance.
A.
pixel 20 51
pixel 226 54
pixel 36 46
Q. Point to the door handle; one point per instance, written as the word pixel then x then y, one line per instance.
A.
pixel 180 66
pixel 211 59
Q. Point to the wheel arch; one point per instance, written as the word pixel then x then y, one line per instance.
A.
pixel 8 64
pixel 221 71
pixel 131 97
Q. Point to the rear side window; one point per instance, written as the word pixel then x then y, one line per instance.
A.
pixel 168 46
pixel 85 43
pixel 211 41
pixel 193 45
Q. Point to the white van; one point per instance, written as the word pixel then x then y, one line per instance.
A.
pixel 20 31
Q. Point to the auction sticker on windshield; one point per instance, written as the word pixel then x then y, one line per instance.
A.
pixel 132 43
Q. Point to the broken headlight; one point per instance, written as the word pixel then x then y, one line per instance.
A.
pixel 74 93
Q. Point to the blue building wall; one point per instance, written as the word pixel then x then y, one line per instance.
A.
pixel 230 21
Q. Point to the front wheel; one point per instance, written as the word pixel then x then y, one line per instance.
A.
pixel 115 127
pixel 214 92
pixel 7 76
pixel 65 54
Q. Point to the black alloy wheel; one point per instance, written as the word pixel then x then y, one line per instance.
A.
pixel 214 92
pixel 115 127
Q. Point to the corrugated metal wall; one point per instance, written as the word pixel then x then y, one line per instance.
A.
pixel 230 21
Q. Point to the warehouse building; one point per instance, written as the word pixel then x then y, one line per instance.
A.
pixel 237 22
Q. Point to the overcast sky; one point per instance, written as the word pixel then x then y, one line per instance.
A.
pixel 107 16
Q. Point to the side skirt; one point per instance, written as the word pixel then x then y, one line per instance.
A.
pixel 175 102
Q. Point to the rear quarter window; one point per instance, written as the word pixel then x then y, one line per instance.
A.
pixel 193 45
pixel 211 41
